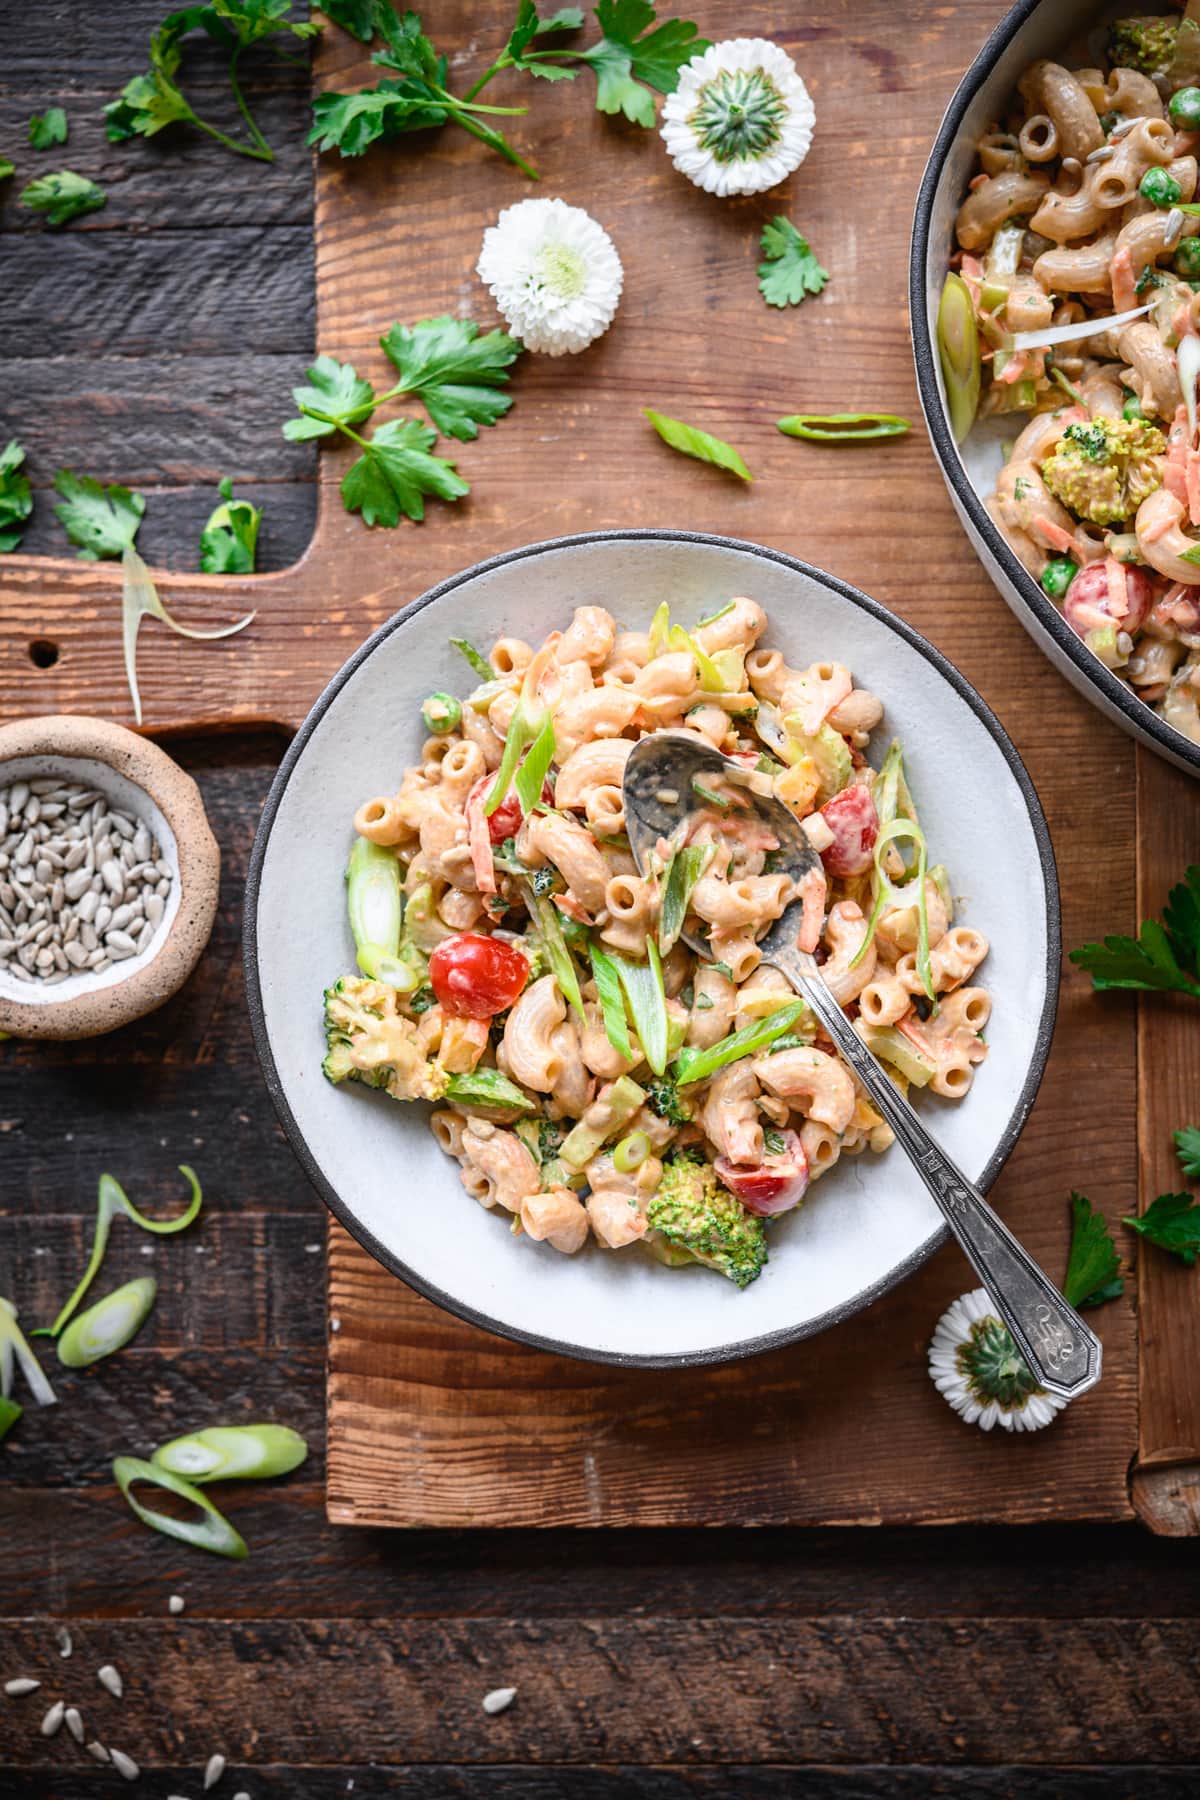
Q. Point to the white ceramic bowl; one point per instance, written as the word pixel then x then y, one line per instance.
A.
pixel 865 1225
pixel 1033 29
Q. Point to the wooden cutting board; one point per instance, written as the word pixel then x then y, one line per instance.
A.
pixel 431 1421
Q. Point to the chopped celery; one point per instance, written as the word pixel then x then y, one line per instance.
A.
pixel 1102 642
pixel 108 1325
pixel 212 1531
pixel 488 1087
pixel 698 1065
pixel 601 1120
pixel 647 1000
pixel 612 1004
pixel 544 914
pixel 232 1453
pixel 112 1199
pixel 828 750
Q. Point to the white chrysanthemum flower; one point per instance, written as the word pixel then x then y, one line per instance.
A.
pixel 740 119
pixel 555 274
pixel 975 1363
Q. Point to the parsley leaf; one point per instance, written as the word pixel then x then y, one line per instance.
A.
pixel 336 395
pixel 791 271
pixel 1093 1265
pixel 630 59
pixel 16 497
pixel 396 471
pixel 351 123
pixel 1164 958
pixel 529 27
pixel 63 196
pixel 456 372
pixel 152 101
pixel 359 17
pixel 103 521
pixel 699 444
pixel 1187 1142
pixel 7 169
pixel 1173 1223
pixel 48 128
pixel 228 541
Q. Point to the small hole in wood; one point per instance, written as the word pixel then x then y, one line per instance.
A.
pixel 43 654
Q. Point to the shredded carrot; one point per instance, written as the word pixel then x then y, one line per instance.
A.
pixel 978 181
pixel 1054 536
pixel 479 838
pixel 1118 593
pixel 1123 287
pixel 1016 368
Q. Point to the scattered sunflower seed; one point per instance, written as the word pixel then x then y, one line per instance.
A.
pixel 214 1768
pixel 175 1603
pixel 63 1639
pixel 97 1751
pixel 53 1719
pixel 124 1765
pixel 23 1684
pixel 499 1699
pixel 74 1723
pixel 110 1678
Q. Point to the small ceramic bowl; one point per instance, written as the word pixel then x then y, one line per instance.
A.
pixel 141 779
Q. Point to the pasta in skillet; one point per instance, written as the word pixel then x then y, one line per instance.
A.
pixel 1081 211
pixel 592 1074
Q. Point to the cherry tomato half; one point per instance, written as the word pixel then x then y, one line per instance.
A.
pixel 1088 602
pixel 852 818
pixel 475 976
pixel 774 1185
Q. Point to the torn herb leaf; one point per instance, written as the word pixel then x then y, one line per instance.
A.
pixel 396 472
pixel 336 395
pixel 48 128
pixel 228 541
pixel 1173 1223
pixel 1093 1263
pixel 103 521
pixel 456 371
pixel 16 496
pixel 790 271
pixel 63 196
pixel 1187 1149
pixel 1162 958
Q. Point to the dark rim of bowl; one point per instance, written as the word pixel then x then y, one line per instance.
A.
pixel 775 1340
pixel 1145 721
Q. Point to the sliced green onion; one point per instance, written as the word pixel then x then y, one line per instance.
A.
pixel 480 664
pixel 108 1325
pixel 599 1122
pixel 526 725
pixel 139 600
pixel 843 428
pixel 710 674
pixel 612 1004
pixel 375 903
pixel 698 1065
pixel 532 773
pixel 10 1412
pixel 660 627
pixel 545 915
pixel 488 1087
pixel 112 1199
pixel 958 353
pixel 441 713
pixel 702 789
pixel 210 1532
pixel 232 1453
pixel 15 1348
pixel 647 998
pixel 631 1152
pixel 888 894
pixel 713 617
pixel 683 872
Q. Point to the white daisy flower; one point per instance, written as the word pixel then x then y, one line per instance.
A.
pixel 555 274
pixel 976 1365
pixel 740 119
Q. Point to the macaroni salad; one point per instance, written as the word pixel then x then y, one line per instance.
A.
pixel 591 1073
pixel 1079 247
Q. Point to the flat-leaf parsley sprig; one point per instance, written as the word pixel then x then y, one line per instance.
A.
pixel 455 371
pixel 790 271
pixel 1164 957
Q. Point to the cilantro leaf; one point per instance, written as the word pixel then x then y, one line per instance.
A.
pixel 1187 1141
pixel 629 55
pixel 103 521
pixel 16 497
pixel 790 271
pixel 336 395
pixel 456 372
pixel 1093 1265
pixel 699 444
pixel 1164 958
pixel 396 471
pixel 48 128
pixel 1173 1223
pixel 63 196
pixel 228 541
pixel 359 17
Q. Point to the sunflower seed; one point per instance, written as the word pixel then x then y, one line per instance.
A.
pixel 110 1678
pixel 214 1768
pixel 97 1751
pixel 74 1723
pixel 53 1719
pixel 18 795
pixel 124 1765
pixel 499 1699
pixel 175 1604
pixel 23 1684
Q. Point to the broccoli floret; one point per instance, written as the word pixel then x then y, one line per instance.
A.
pixel 693 1212
pixel 664 1098
pixel 1104 469
pixel 368 1039
pixel 1145 44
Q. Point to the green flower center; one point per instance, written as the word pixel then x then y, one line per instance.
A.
pixel 994 1368
pixel 739 114
pixel 561 270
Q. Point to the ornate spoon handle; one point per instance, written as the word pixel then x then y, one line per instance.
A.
pixel 1060 1349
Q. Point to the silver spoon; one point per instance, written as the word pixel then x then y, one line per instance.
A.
pixel 1062 1352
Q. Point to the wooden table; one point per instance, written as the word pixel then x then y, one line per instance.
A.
pixel 152 345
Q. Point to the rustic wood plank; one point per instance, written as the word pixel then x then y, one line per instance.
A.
pixel 1166 1483
pixel 707 1691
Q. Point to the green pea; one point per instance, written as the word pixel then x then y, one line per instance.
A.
pixel 1058 575
pixel 1187 256
pixel 1185 109
pixel 441 713
pixel 1132 408
pixel 1160 188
